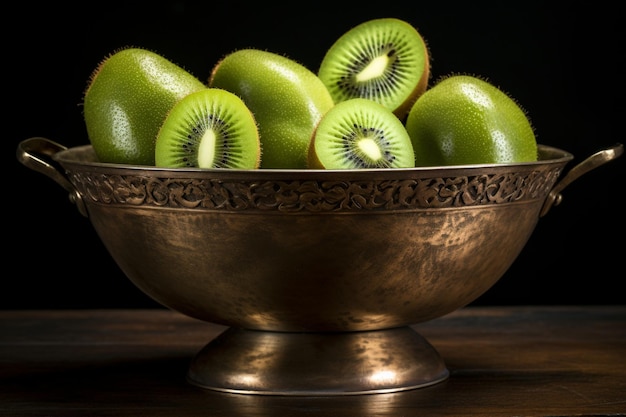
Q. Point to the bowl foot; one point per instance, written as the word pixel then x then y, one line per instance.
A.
pixel 317 364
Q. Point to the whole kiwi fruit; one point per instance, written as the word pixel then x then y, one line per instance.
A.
pixel 385 60
pixel 125 102
pixel 210 128
pixel 286 98
pixel 465 119
pixel 360 133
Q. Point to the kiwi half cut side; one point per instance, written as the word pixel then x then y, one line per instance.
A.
pixel 211 128
pixel 360 134
pixel 385 60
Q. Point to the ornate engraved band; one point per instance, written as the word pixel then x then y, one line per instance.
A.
pixel 315 195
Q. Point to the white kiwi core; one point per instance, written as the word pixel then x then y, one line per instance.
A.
pixel 374 69
pixel 206 151
pixel 369 148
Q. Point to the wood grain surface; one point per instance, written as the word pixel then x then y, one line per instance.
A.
pixel 504 361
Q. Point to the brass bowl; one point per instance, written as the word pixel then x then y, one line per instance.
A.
pixel 318 274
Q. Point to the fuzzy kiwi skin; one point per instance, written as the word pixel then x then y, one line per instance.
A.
pixel 348 126
pixel 286 98
pixel 391 39
pixel 465 119
pixel 126 100
pixel 210 128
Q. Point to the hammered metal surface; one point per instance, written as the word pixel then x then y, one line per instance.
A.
pixel 306 250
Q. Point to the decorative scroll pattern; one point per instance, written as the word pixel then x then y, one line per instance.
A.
pixel 314 196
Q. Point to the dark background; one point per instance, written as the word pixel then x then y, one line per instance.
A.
pixel 564 66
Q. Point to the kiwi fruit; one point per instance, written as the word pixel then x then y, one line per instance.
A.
pixel 125 102
pixel 385 60
pixel 286 98
pixel 464 119
pixel 211 128
pixel 360 133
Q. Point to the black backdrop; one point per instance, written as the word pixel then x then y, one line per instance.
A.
pixel 564 66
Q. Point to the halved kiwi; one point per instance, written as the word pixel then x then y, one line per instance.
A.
pixel 211 128
pixel 360 133
pixel 385 60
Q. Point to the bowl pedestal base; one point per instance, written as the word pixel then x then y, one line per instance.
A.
pixel 317 364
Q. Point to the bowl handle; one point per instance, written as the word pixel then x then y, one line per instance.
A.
pixel 36 153
pixel 599 158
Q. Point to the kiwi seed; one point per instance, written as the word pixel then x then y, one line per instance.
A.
pixel 358 134
pixel 211 128
pixel 385 60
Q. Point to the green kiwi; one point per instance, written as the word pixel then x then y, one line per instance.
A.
pixel 211 128
pixel 360 133
pixel 385 60
pixel 125 102
pixel 465 119
pixel 286 98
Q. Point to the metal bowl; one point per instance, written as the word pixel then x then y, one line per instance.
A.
pixel 318 274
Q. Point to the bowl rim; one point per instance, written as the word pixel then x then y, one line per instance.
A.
pixel 81 157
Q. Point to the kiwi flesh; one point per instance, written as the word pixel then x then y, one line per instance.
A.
pixel 360 133
pixel 211 128
pixel 385 60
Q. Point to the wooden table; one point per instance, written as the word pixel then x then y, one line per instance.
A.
pixel 503 361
